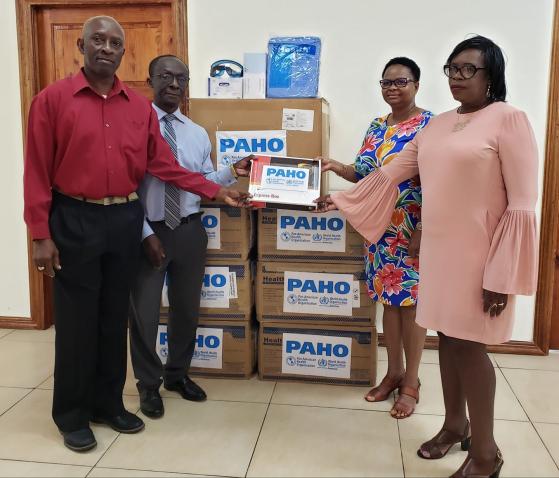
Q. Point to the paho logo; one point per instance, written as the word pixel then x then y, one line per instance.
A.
pixel 318 286
pixel 214 280
pixel 311 224
pixel 321 349
pixel 292 173
pixel 210 221
pixel 207 341
pixel 251 145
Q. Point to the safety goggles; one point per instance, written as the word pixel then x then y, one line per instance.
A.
pixel 232 68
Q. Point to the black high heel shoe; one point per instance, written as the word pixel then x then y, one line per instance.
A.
pixel 438 446
pixel 462 472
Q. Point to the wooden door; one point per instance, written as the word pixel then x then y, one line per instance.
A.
pixel 47 35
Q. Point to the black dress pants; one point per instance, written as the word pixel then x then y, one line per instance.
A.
pixel 185 251
pixel 99 249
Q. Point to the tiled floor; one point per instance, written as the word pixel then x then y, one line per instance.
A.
pixel 253 428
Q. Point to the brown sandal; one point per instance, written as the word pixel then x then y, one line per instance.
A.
pixel 388 384
pixel 462 472
pixel 438 446
pixel 410 392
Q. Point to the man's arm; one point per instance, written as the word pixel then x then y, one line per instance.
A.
pixel 37 184
pixel 38 168
pixel 224 176
pixel 163 165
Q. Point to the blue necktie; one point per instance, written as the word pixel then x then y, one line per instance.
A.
pixel 172 193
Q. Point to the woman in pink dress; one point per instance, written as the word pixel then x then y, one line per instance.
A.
pixel 478 169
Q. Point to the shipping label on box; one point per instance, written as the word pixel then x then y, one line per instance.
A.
pixel 323 294
pixel 227 291
pixel 319 355
pixel 211 220
pixel 216 287
pixel 232 146
pixel 208 351
pixel 306 231
pixel 162 344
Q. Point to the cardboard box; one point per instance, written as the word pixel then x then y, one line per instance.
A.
pixel 227 291
pixel 265 114
pixel 231 231
pixel 286 182
pixel 225 87
pixel 254 77
pixel 223 349
pixel 313 293
pixel 297 236
pixel 344 355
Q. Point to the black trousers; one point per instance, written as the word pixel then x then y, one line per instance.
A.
pixel 99 249
pixel 185 250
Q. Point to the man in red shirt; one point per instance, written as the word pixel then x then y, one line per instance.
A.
pixel 90 141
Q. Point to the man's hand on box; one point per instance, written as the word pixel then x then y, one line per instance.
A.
pixel 242 167
pixel 233 198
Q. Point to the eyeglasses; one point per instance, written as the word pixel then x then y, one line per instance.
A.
pixel 398 83
pixel 169 77
pixel 466 71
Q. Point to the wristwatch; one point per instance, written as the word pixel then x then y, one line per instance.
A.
pixel 419 226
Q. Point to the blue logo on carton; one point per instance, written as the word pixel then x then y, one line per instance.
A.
pixel 208 341
pixel 286 173
pixel 312 224
pixel 214 280
pixel 209 221
pixel 254 145
pixel 320 348
pixel 319 286
pixel 163 338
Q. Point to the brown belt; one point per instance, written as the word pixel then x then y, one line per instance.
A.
pixel 107 201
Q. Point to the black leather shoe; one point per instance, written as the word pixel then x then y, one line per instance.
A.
pixel 126 422
pixel 188 390
pixel 151 403
pixel 79 440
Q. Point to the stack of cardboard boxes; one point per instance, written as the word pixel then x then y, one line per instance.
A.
pixel 315 319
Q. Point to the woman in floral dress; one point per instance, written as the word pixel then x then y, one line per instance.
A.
pixel 392 264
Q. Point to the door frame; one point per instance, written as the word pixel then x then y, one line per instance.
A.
pixel 550 206
pixel 39 285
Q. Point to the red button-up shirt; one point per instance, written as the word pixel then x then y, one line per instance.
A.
pixel 82 144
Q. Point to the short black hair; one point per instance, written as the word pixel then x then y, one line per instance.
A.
pixel 153 63
pixel 494 64
pixel 402 60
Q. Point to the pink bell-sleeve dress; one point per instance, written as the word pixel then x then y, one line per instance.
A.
pixel 479 179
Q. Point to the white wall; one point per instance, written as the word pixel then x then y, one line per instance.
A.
pixel 359 36
pixel 14 282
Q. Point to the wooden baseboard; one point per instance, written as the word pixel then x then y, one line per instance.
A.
pixel 18 323
pixel 513 347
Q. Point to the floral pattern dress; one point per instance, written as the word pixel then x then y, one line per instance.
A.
pixel 392 275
